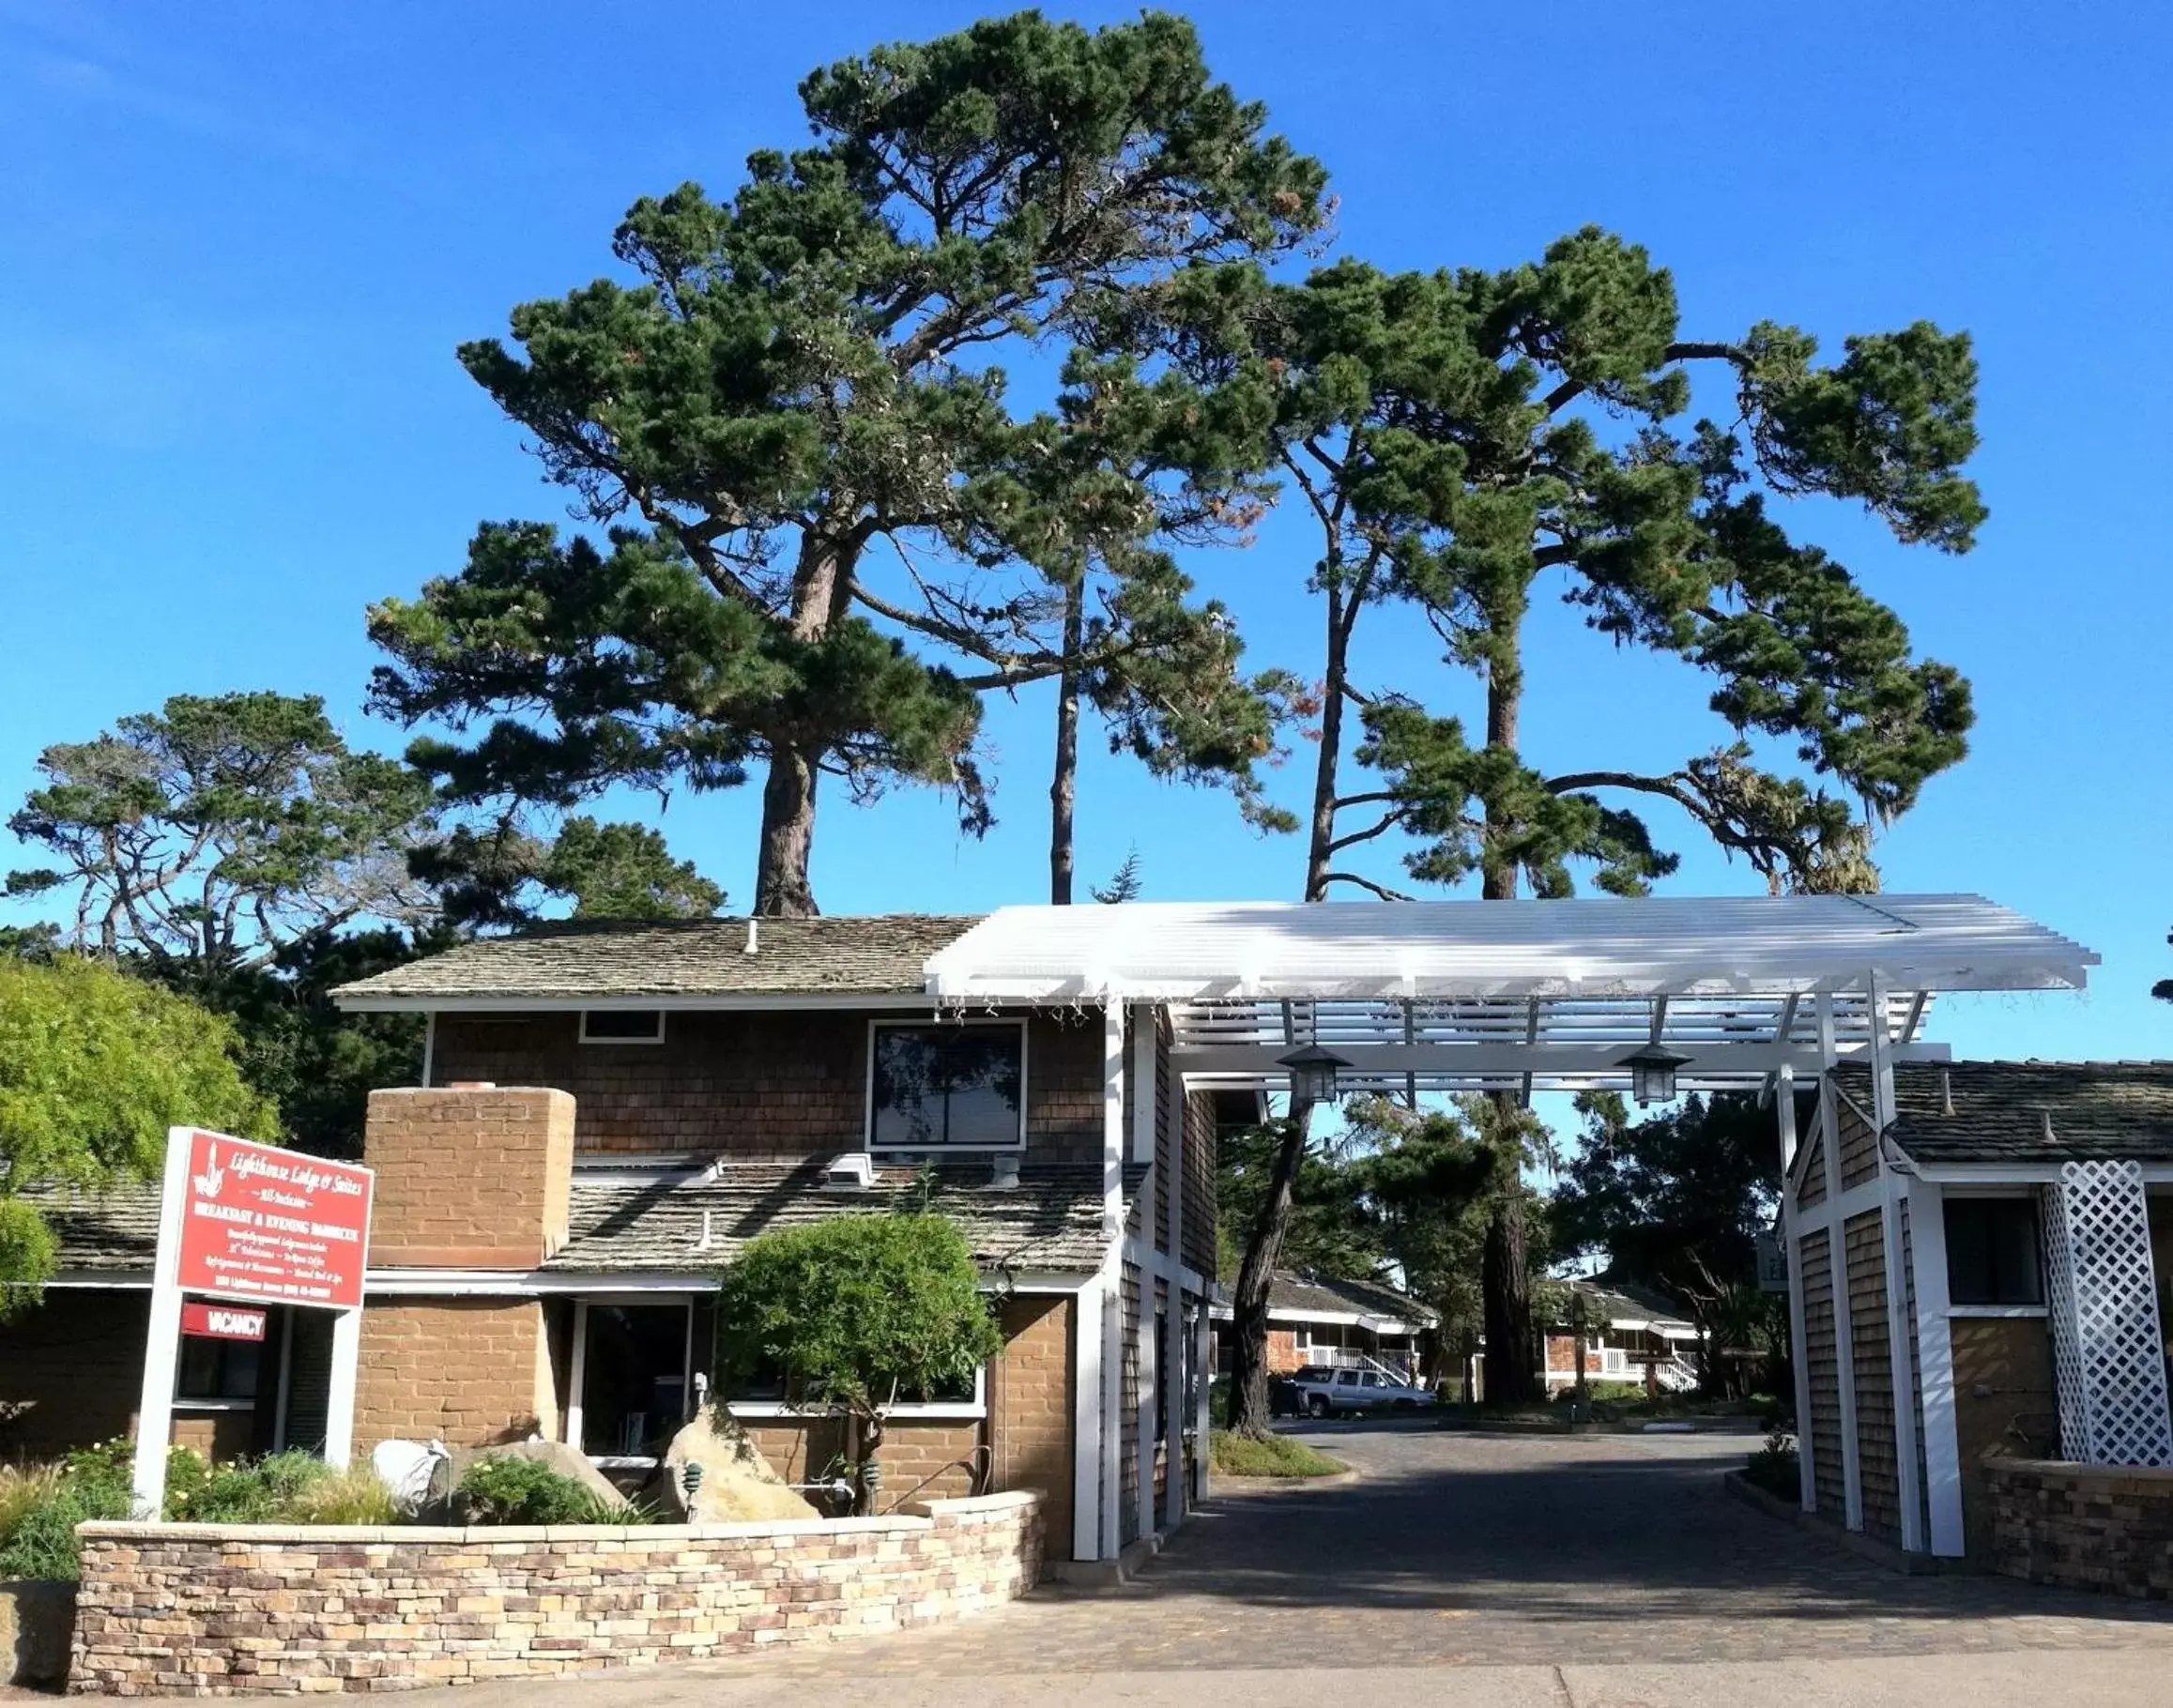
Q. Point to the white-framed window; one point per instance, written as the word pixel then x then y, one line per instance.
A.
pixel 623 1026
pixel 632 1382
pixel 947 1085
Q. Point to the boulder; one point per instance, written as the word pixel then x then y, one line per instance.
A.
pixel 737 1486
pixel 37 1628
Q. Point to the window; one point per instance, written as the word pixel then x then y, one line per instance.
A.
pixel 214 1369
pixel 960 1086
pixel 623 1026
pixel 1992 1252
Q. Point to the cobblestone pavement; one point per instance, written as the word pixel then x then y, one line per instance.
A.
pixel 1556 1570
pixel 1506 1549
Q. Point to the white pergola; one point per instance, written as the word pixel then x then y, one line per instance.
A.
pixel 1454 996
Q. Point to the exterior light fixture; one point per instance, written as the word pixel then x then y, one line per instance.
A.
pixel 1652 1070
pixel 1312 1073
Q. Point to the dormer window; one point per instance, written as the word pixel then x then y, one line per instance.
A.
pixel 959 1085
pixel 623 1026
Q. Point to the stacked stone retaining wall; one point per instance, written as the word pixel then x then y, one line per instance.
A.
pixel 2090 1526
pixel 215 1610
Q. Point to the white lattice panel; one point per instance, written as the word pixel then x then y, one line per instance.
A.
pixel 2107 1347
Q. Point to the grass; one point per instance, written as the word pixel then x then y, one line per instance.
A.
pixel 1279 1456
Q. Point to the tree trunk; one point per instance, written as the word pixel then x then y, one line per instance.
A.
pixel 1512 1377
pixel 1063 785
pixel 1319 851
pixel 781 887
pixel 1248 1409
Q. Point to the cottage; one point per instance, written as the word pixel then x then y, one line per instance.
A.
pixel 1631 1334
pixel 1322 1320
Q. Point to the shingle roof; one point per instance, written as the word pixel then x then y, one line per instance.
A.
pixel 1617 1302
pixel 1329 1297
pixel 875 953
pixel 1051 1220
pixel 117 1230
pixel 1997 1111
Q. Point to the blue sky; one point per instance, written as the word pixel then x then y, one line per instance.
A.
pixel 241 241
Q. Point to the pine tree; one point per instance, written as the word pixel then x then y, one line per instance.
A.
pixel 794 426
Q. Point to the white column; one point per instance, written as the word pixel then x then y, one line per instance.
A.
pixel 1902 1372
pixel 578 1374
pixel 1112 1323
pixel 340 1406
pixel 1837 1259
pixel 1086 1460
pixel 1112 1400
pixel 1172 1108
pixel 1935 1353
pixel 1143 1424
pixel 162 1340
pixel 1791 1246
pixel 1203 1326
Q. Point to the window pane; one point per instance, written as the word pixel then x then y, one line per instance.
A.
pixel 622 1023
pixel 1992 1252
pixel 633 1377
pixel 215 1369
pixel 946 1085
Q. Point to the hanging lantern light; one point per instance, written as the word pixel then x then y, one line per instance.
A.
pixel 1312 1073
pixel 1652 1070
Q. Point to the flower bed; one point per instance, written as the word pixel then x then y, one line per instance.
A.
pixel 205 1608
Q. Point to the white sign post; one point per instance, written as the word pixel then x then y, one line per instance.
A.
pixel 243 1221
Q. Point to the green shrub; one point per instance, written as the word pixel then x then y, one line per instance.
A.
pixel 38 1540
pixel 1776 1467
pixel 354 1495
pixel 248 1491
pixel 1602 1392
pixel 23 1488
pixel 527 1491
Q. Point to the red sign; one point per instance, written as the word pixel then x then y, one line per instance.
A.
pixel 222 1322
pixel 273 1226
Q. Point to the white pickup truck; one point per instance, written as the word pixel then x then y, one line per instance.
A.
pixel 1319 1390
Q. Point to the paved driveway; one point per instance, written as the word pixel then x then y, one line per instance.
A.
pixel 1576 1566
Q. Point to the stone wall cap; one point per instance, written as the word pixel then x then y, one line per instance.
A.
pixel 964 1506
pixel 2159 1474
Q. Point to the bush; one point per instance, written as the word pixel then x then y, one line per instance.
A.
pixel 354 1495
pixel 1777 1468
pixel 42 1507
pixel 248 1491
pixel 527 1491
pixel 23 1488
pixel 1602 1392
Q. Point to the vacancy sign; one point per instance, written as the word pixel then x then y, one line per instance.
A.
pixel 273 1226
pixel 222 1322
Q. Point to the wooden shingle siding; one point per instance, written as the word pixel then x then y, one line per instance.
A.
pixel 754 1085
pixel 1917 1372
pixel 1859 1146
pixel 1828 1481
pixel 1813 1190
pixel 1199 1206
pixel 1169 1146
pixel 1129 1409
pixel 1864 1254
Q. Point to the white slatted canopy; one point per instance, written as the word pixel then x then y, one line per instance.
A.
pixel 1546 994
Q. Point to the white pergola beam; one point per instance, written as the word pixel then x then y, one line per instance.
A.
pixel 1510 1059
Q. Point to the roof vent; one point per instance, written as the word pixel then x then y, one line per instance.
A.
pixel 853 1170
pixel 754 944
pixel 709 1240
pixel 2049 1133
pixel 1004 1176
pixel 1946 1091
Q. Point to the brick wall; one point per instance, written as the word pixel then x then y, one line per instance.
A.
pixel 921 1458
pixel 2088 1526
pixel 1821 1346
pixel 468 1179
pixel 754 1085
pixel 467 1371
pixel 1030 1410
pixel 1859 1145
pixel 200 1610
pixel 1863 1256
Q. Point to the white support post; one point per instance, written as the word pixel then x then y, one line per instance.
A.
pixel 340 1404
pixel 1086 1459
pixel 1203 1326
pixel 1791 1246
pixel 1171 1113
pixel 578 1374
pixel 1112 1323
pixel 1837 1259
pixel 429 1045
pixel 162 1342
pixel 1900 1327
pixel 1935 1355
pixel 1144 1346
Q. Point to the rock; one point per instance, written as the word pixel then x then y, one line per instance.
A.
pixel 36 1627
pixel 737 1484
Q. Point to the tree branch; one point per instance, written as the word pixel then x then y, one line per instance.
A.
pixel 1366 883
pixel 1388 823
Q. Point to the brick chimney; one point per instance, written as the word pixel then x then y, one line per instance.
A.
pixel 470 1176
